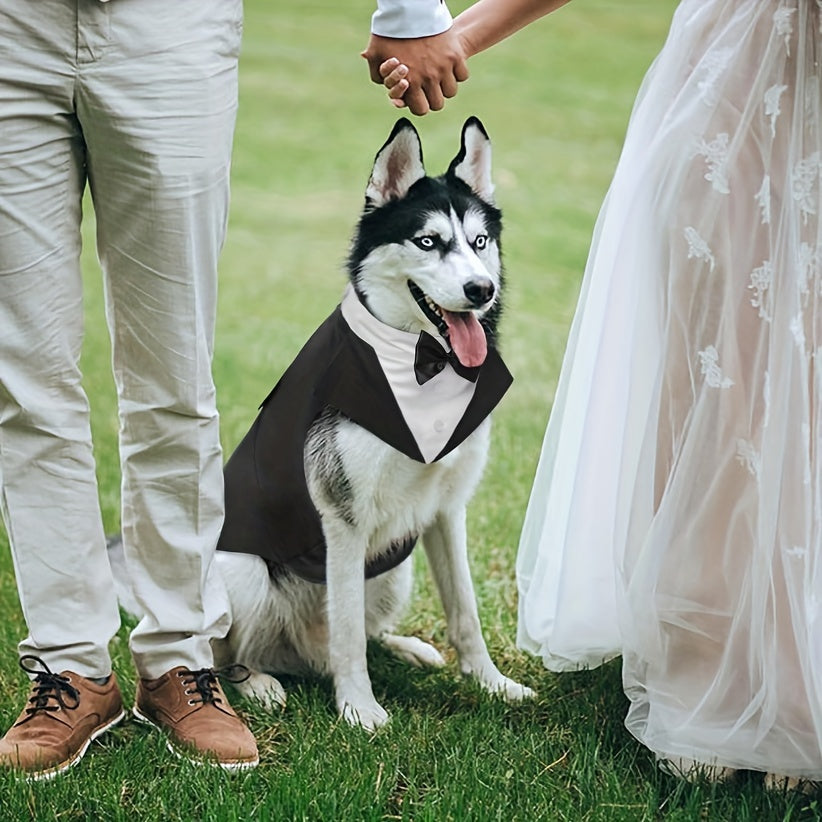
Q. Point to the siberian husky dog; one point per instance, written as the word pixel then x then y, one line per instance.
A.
pixel 425 258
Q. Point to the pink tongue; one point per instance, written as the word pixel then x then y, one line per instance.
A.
pixel 467 338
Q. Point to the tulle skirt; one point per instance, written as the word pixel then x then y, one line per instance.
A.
pixel 676 514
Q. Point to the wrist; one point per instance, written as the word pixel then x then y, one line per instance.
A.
pixel 468 37
pixel 466 43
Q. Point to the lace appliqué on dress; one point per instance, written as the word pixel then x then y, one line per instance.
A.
pixel 747 455
pixel 709 363
pixel 783 24
pixel 716 156
pixel 761 280
pixel 697 247
pixel 771 101
pixel 804 178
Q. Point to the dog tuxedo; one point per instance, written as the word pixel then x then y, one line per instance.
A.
pixel 407 389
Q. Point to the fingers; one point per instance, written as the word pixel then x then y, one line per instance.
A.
pixel 390 66
pixel 431 96
pixel 417 101
pixel 394 75
pixel 391 78
pixel 420 99
pixel 448 87
pixel 397 91
pixel 434 96
pixel 461 71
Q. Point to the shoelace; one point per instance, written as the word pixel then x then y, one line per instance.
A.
pixel 205 681
pixel 48 689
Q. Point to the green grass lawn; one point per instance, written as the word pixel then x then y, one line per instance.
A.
pixel 555 100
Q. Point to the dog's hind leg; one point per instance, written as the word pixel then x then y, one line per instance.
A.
pixel 412 650
pixel 386 599
pixel 446 549
pixel 257 686
pixel 263 689
pixel 254 640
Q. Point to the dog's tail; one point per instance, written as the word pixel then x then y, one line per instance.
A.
pixel 119 569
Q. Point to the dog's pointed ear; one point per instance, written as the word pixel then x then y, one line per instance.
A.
pixel 473 163
pixel 397 166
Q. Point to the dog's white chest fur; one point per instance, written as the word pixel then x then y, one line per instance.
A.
pixel 397 495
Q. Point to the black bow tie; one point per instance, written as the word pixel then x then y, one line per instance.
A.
pixel 430 358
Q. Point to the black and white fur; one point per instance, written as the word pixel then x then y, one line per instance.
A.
pixel 441 234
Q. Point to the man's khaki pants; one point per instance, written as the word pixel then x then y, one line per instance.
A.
pixel 137 99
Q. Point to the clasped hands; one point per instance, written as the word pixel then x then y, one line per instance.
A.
pixel 419 73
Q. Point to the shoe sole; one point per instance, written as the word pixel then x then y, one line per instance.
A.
pixel 56 770
pixel 181 753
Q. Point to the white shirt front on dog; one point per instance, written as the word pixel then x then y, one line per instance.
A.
pixel 432 410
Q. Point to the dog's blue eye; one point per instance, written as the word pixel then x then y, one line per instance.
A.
pixel 481 242
pixel 426 243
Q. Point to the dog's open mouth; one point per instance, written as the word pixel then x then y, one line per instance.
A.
pixel 462 329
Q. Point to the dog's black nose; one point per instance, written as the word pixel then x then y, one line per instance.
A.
pixel 479 292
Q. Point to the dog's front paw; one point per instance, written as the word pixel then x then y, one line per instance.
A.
pixel 263 689
pixel 370 715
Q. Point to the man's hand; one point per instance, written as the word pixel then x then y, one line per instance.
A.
pixel 424 70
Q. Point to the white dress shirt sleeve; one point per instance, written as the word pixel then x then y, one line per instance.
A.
pixel 410 18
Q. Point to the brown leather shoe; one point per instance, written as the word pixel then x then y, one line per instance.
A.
pixel 192 709
pixel 63 714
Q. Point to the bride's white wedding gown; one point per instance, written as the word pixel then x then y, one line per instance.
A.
pixel 676 514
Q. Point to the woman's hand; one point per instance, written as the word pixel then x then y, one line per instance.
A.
pixel 394 74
